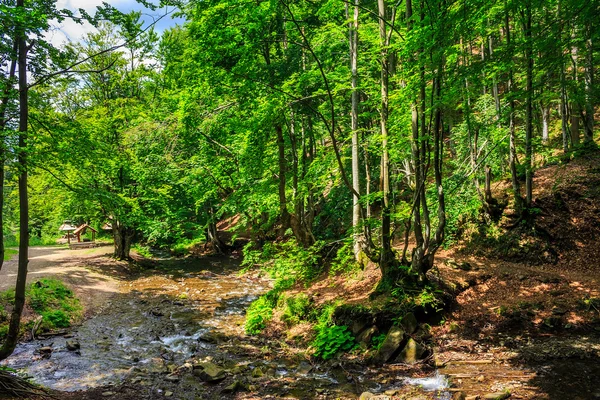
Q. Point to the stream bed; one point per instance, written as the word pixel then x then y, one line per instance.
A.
pixel 164 321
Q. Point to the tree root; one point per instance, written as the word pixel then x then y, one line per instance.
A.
pixel 15 386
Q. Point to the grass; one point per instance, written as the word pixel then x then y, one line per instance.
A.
pixel 49 298
pixel 9 253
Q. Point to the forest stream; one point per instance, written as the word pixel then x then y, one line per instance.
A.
pixel 164 321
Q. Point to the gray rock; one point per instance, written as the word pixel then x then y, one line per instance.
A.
pixel 365 337
pixel 411 353
pixel 73 345
pixel 209 372
pixel 359 326
pixel 172 378
pixel 409 323
pixel 393 343
pixel 304 368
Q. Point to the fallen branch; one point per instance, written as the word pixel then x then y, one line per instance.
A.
pixel 13 385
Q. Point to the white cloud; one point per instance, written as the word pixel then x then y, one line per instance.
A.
pixel 68 30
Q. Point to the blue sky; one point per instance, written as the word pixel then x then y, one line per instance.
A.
pixel 69 30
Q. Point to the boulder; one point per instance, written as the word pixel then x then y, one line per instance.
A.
pixel 412 352
pixel 409 323
pixel 209 372
pixel 392 345
pixel 365 337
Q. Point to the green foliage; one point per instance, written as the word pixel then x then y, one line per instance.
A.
pixel 9 253
pixel 260 312
pixel 50 298
pixel 428 299
pixel 377 341
pixel 331 340
pixel 286 262
pixel 295 308
pixel 344 260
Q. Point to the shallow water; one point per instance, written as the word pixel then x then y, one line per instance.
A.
pixel 164 319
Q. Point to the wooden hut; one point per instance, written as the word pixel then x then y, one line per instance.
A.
pixel 81 230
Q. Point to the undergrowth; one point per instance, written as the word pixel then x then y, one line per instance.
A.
pixel 48 298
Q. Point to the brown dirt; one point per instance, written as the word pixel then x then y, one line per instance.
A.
pixel 531 322
pixel 89 272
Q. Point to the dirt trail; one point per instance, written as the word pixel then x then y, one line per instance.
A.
pixel 77 268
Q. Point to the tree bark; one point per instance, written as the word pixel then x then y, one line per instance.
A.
pixel 518 200
pixel 387 254
pixel 529 108
pixel 15 319
pixel 123 236
pixel 589 86
pixel 3 109
pixel 283 211
pixel 356 208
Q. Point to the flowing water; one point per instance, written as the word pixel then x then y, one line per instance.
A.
pixel 164 320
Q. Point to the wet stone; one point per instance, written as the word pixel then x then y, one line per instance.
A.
pixel 209 372
pixel 73 345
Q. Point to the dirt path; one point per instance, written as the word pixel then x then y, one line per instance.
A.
pixel 83 270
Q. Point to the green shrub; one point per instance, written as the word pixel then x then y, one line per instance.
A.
pixel 295 309
pixel 331 340
pixel 260 312
pixel 56 319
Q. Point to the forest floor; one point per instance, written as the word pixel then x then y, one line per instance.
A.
pixel 526 319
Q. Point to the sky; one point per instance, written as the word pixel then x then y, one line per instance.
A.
pixel 69 30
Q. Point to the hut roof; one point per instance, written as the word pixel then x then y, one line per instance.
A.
pixel 82 228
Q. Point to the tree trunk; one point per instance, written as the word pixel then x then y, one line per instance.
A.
pixel 283 211
pixel 123 236
pixel 575 124
pixel 545 123
pixel 589 86
pixel 518 200
pixel 356 208
pixel 529 108
pixel 3 121
pixel 387 254
pixel 12 336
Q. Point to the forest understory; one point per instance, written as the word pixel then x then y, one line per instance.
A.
pixel 510 329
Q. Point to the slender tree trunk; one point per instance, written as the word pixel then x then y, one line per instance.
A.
pixel 545 122
pixel 356 208
pixel 3 109
pixel 575 108
pixel 283 211
pixel 589 86
pixel 518 200
pixel 15 319
pixel 529 107
pixel 575 137
pixel 564 112
pixel 387 255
